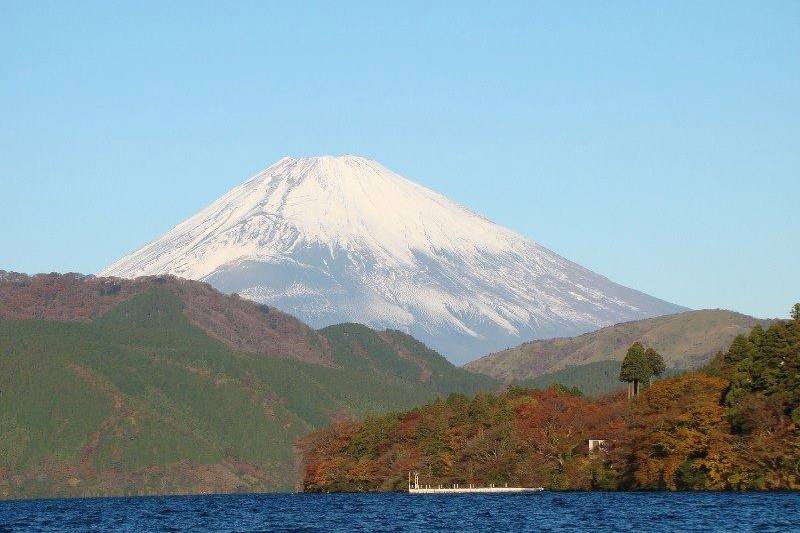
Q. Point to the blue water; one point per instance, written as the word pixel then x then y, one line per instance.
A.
pixel 548 511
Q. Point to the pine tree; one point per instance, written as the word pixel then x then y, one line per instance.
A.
pixel 796 312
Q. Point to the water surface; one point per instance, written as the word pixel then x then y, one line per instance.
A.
pixel 547 511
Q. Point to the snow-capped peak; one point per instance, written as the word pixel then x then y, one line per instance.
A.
pixel 345 239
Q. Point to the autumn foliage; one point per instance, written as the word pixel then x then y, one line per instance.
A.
pixel 523 436
pixel 732 426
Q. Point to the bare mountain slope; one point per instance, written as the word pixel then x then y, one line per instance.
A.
pixel 686 340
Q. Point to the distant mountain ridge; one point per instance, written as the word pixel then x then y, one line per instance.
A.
pixel 165 386
pixel 686 340
pixel 343 239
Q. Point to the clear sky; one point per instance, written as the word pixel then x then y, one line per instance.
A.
pixel 657 143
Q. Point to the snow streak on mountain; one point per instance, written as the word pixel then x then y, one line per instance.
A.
pixel 343 239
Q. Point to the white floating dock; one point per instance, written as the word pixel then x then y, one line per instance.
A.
pixel 465 490
pixel 416 488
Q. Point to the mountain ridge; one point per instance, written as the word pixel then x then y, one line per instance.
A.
pixel 241 324
pixel 343 239
pixel 685 340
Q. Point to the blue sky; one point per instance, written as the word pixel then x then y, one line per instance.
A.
pixel 657 143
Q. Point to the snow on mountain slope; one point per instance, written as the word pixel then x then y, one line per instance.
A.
pixel 343 239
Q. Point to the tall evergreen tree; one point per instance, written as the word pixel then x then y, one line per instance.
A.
pixel 796 312
pixel 635 367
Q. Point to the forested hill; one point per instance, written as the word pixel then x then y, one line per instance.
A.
pixel 732 426
pixel 161 385
pixel 685 340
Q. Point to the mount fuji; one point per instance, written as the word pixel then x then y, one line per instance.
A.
pixel 343 239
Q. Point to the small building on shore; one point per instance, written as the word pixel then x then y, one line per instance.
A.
pixel 597 445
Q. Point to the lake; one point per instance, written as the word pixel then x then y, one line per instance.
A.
pixel 547 511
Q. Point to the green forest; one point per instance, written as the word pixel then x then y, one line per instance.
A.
pixel 140 401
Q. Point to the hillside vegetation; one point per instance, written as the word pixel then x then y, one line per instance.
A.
pixel 685 340
pixel 592 379
pixel 732 426
pixel 140 399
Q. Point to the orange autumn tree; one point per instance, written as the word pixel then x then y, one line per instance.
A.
pixel 678 437
pixel 324 463
pixel 553 427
